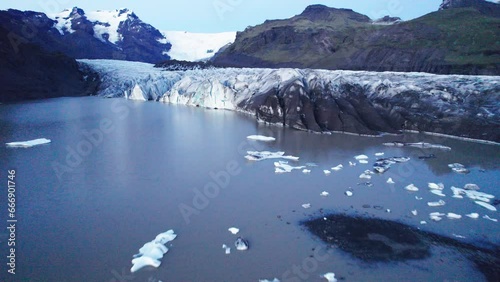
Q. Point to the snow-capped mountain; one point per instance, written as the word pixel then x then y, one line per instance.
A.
pixel 189 46
pixel 320 100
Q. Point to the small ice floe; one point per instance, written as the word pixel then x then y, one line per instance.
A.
pixel 265 280
pixel 330 276
pixel 414 212
pixel 367 184
pixel 241 244
pixel 436 186
pixel 423 145
pixel 418 198
pixel 451 215
pixel 471 186
pixel 264 155
pixel 361 157
pixel 388 210
pixel 437 192
pixel 458 236
pixel 326 171
pixel 390 181
pixel 226 248
pixel 337 168
pixel 423 222
pixel 436 204
pixel 486 205
pixel 382 165
pixel 365 176
pixel 234 230
pixel 279 170
pixel 411 188
pixel 352 163
pixel 151 253
pixel 458 168
pixel 285 167
pixel 348 193
pixel 363 161
pixel 489 218
pixel 305 170
pixel 306 206
pixel 473 215
pixel 261 138
pixel 324 194
pixel 30 143
pixel 471 194
pixel 436 216
pixel 379 154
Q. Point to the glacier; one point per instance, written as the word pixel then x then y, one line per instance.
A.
pixel 360 102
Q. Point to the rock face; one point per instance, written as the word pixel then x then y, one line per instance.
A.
pixel 118 34
pixel 329 38
pixel 28 72
pixel 321 101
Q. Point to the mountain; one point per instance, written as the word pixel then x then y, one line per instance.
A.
pixel 117 34
pixel 359 102
pixel 190 46
pixel 29 72
pixel 461 38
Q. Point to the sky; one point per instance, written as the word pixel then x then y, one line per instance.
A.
pixel 226 15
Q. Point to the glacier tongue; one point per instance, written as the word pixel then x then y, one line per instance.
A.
pixel 320 100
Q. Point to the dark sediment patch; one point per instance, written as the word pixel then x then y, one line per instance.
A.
pixel 378 240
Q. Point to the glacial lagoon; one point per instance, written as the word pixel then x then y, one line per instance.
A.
pixel 118 172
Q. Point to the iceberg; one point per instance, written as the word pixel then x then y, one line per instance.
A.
pixel 363 161
pixel 382 165
pixel 436 204
pixel 390 181
pixel 337 168
pixel 411 188
pixel 264 155
pixel 486 205
pixel 471 186
pixel 458 168
pixel 306 170
pixel 489 218
pixel 451 215
pixel 234 230
pixel 324 194
pixel 326 171
pixel 261 138
pixel 422 145
pixel 241 244
pixel 348 193
pixel 283 167
pixel 473 215
pixel 30 143
pixel 361 157
pixel 226 249
pixel 471 194
pixel 151 253
pixel 265 280
pixel 330 276
pixel 365 176
pixel 438 192
pixel 379 154
pixel 414 212
pixel 439 186
pixel 306 206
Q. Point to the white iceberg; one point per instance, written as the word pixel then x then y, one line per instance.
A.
pixel 330 276
pixel 489 218
pixel 234 230
pixel 379 154
pixel 151 253
pixel 451 215
pixel 473 215
pixel 348 193
pixel 264 155
pixel 423 145
pixel 241 244
pixel 471 186
pixel 363 161
pixel 326 171
pixel 414 212
pixel 423 222
pixel 458 168
pixel 486 205
pixel 282 167
pixel 305 170
pixel 418 198
pixel 337 168
pixel 436 216
pixel 436 186
pixel 365 176
pixel 411 188
pixel 227 249
pixel 306 206
pixel 471 194
pixel 352 163
pixel 324 194
pixel 438 192
pixel 265 280
pixel 390 181
pixel 261 138
pixel 361 157
pixel 436 204
pixel 30 143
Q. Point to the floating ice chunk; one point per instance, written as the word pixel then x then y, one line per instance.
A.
pixel 438 192
pixel 241 244
pixel 361 157
pixel 379 154
pixel 458 168
pixel 265 280
pixel 471 186
pixel 363 161
pixel 423 222
pixel 390 181
pixel 414 212
pixel 436 204
pixel 234 230
pixel 306 206
pixel 326 171
pixel 418 198
pixel 365 176
pixel 458 236
pixel 306 170
pixel 153 250
pixel 472 194
pixel 438 186
pixel 261 138
pixel 30 143
pixel 388 210
pixel 437 214
pixel 435 217
pixel 278 170
pixel 337 168
pixel 352 163
pixel 324 194
pixel 427 146
pixel 143 261
pixel 489 218
pixel 285 167
pixel 473 215
pixel 226 248
pixel 263 155
pixel 330 276
pixel 411 188
pixel 382 165
pixel 451 215
pixel 486 205
pixel 165 237
pixel 348 193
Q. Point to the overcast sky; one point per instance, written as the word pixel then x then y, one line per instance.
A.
pixel 226 15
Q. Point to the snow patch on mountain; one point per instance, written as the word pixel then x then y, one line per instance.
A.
pixel 190 46
pixel 63 21
pixel 108 22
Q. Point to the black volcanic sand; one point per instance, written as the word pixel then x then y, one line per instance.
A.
pixel 378 240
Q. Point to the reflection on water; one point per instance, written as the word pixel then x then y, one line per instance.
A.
pixel 90 199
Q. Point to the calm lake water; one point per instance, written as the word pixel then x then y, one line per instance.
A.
pixel 82 216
